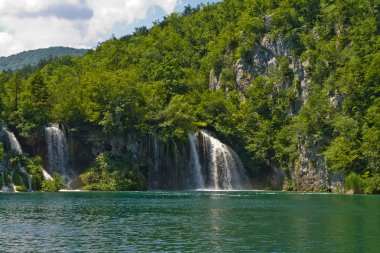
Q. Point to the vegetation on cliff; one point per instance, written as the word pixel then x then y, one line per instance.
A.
pixel 110 173
pixel 271 77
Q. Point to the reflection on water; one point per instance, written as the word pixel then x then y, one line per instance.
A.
pixel 201 221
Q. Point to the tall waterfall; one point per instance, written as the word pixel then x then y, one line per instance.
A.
pixel 222 168
pixel 58 151
pixel 154 175
pixel 195 162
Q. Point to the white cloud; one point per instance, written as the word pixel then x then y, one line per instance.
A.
pixel 31 24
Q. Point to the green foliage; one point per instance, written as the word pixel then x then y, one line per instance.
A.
pixel 14 160
pixel 371 137
pixel 17 179
pixel 177 118
pixel 21 188
pixel 340 154
pixel 285 146
pixel 33 167
pixel 14 170
pixel 291 186
pixel 372 184
pixel 112 173
pixel 53 185
pixel 285 75
pixel 354 182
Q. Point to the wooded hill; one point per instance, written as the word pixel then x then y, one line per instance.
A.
pixel 33 57
pixel 290 84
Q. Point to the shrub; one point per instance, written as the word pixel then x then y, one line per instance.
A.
pixel 17 179
pixel 34 168
pixel 112 173
pixel 21 188
pixel 372 184
pixel 291 186
pixel 53 185
pixel 354 182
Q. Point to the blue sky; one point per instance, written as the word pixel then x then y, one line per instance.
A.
pixel 32 24
pixel 155 13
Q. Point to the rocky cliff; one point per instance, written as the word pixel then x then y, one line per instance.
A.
pixel 309 172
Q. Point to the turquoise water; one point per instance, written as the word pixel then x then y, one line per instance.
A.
pixel 188 222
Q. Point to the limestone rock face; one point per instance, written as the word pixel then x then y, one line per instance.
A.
pixel 215 83
pixel 265 57
pixel 277 178
pixel 336 100
pixel 309 173
pixel 242 76
pixel 165 165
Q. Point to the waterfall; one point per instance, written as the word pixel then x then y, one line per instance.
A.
pixel 47 175
pixel 15 145
pixel 195 162
pixel 23 170
pixel 154 174
pixel 29 182
pixel 58 152
pixel 223 168
pixel 11 177
pixel 156 155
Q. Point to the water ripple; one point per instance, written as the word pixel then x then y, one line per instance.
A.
pixel 203 221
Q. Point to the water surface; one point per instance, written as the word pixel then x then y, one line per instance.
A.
pixel 188 222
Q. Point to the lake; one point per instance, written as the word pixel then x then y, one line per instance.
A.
pixel 247 221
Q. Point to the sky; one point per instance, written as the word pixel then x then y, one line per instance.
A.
pixel 32 24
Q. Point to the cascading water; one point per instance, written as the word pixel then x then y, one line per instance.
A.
pixel 154 175
pixel 11 181
pixel 15 145
pixel 198 177
pixel 23 170
pixel 156 156
pixel 58 152
pixel 47 175
pixel 29 182
pixel 222 169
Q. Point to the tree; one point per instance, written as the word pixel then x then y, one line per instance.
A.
pixel 39 98
pixel 343 153
pixel 371 137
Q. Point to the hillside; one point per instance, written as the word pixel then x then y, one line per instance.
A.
pixel 292 86
pixel 33 57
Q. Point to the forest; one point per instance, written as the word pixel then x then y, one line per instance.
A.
pixel 30 59
pixel 278 80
